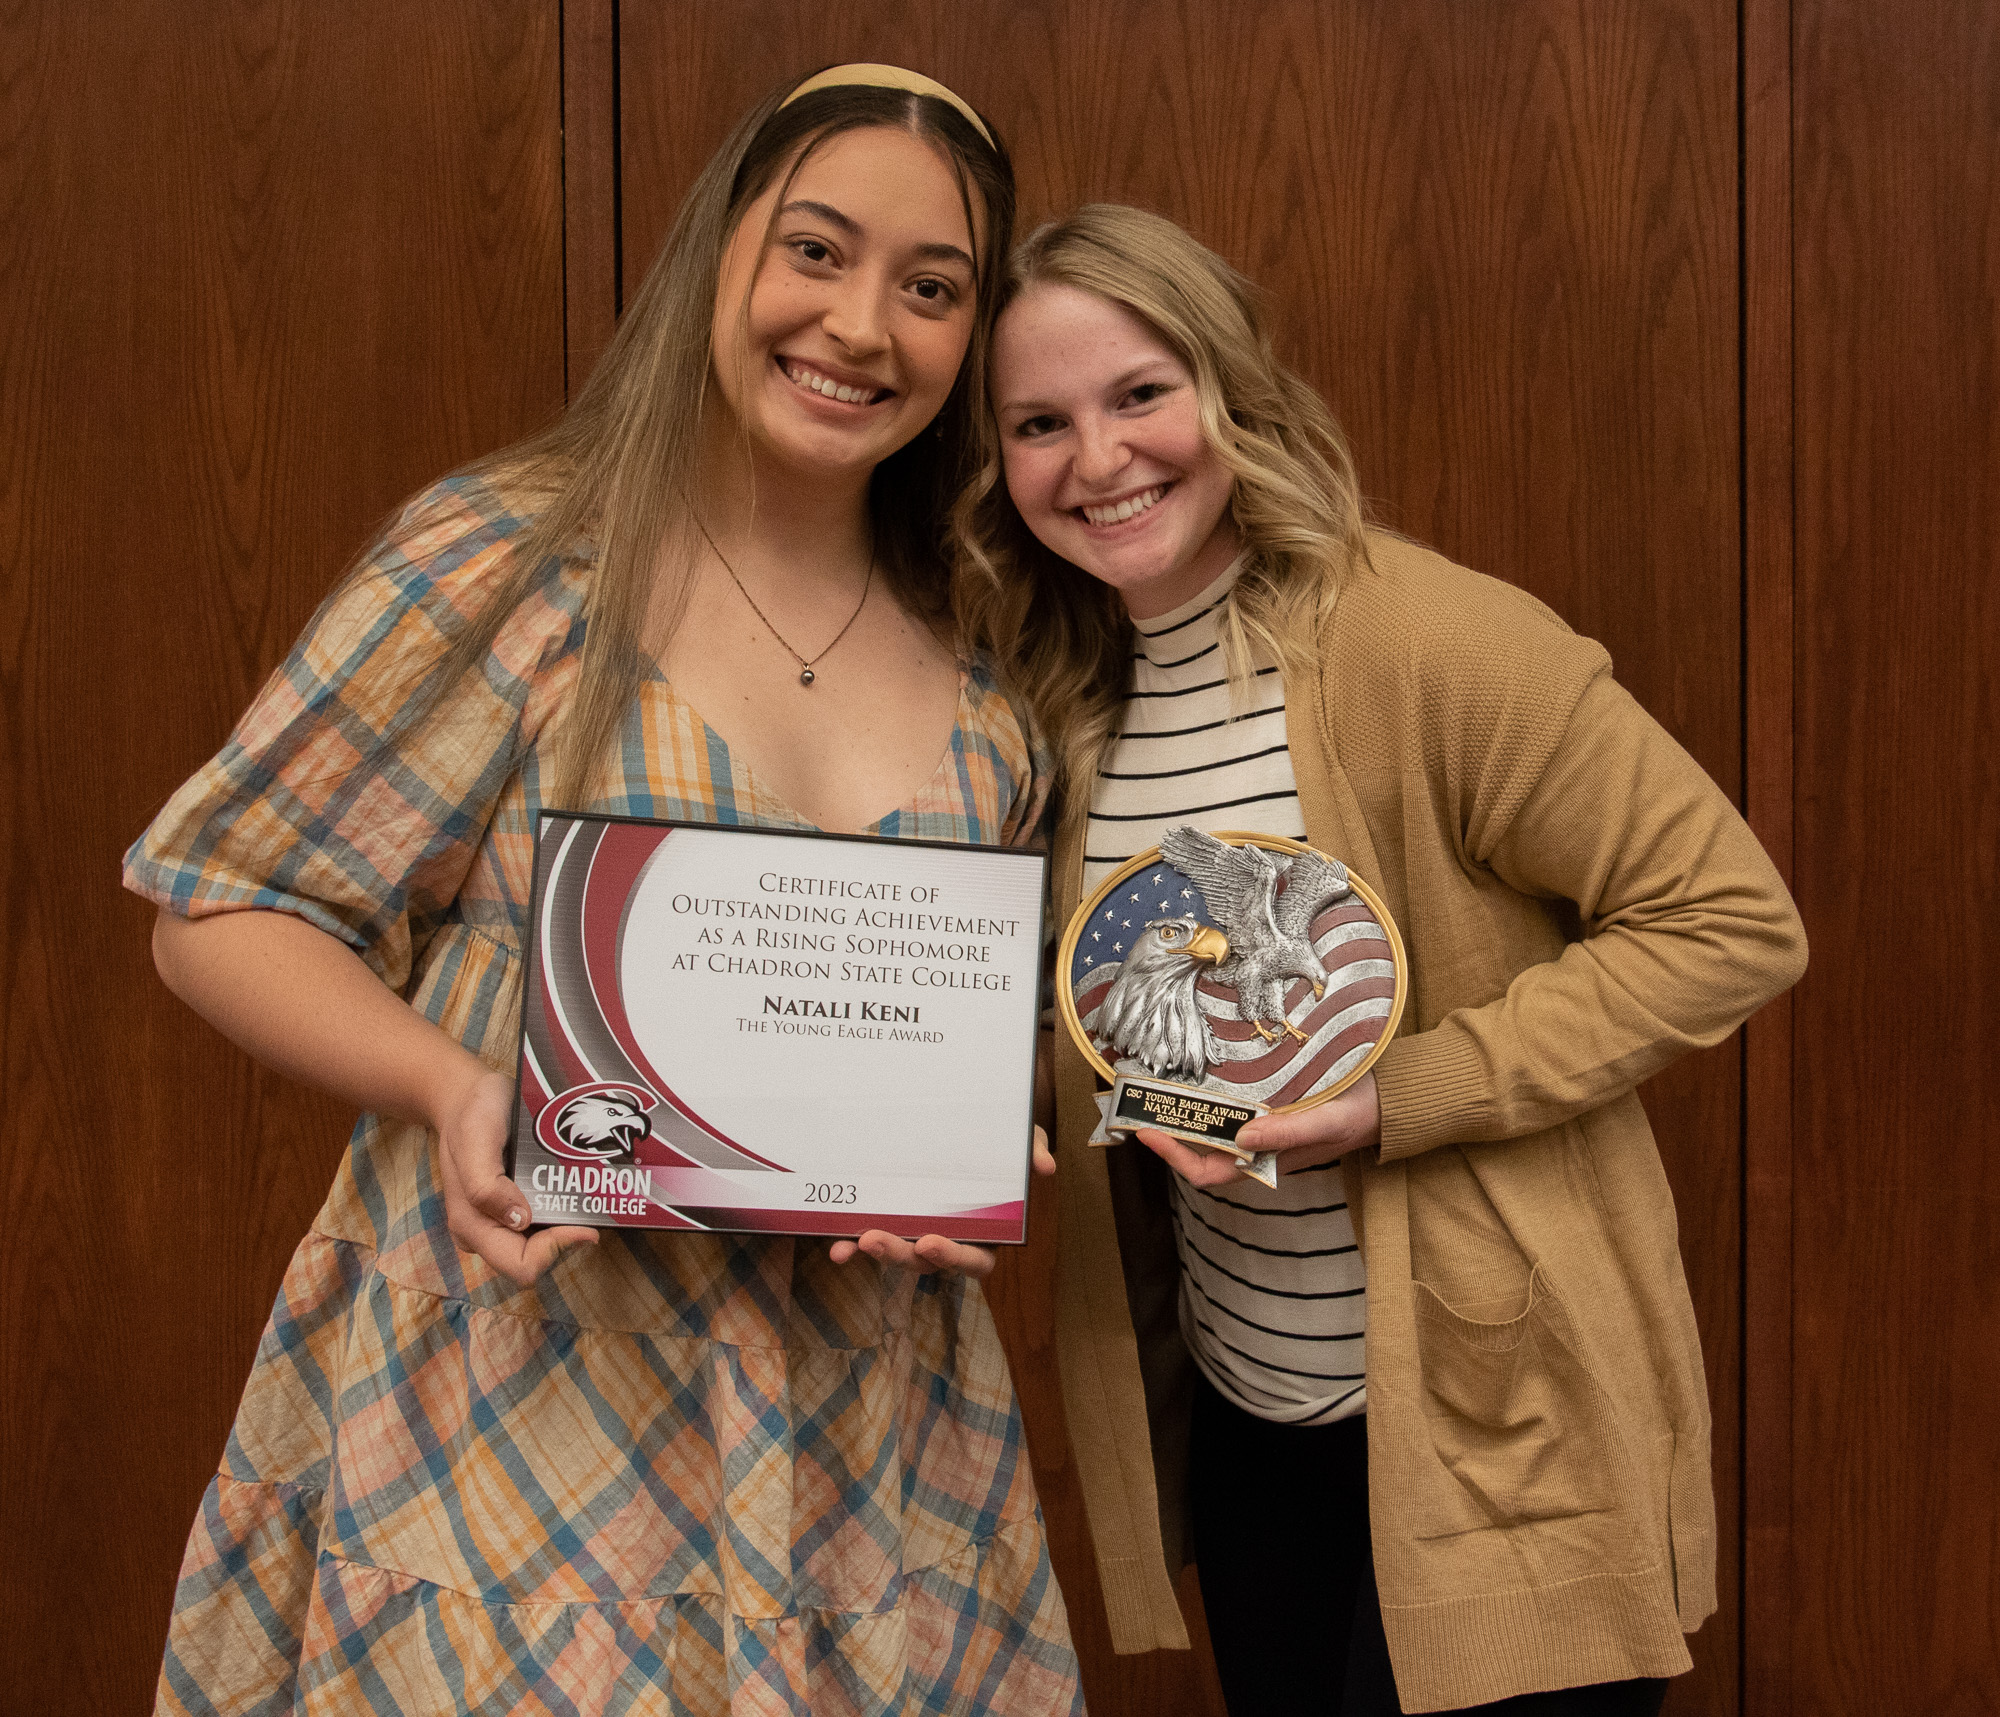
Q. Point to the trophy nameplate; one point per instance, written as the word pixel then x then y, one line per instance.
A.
pixel 1179 1111
pixel 768 1031
pixel 1216 978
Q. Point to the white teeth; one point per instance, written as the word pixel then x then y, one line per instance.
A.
pixel 832 389
pixel 1120 511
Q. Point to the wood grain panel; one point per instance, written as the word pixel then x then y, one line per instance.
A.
pixel 589 184
pixel 268 269
pixel 1896 1191
pixel 1768 790
pixel 1504 243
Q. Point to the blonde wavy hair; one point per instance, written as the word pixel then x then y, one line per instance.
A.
pixel 1060 638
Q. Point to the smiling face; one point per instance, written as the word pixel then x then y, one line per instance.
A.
pixel 839 341
pixel 1100 434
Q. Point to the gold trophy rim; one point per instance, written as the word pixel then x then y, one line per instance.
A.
pixel 1073 932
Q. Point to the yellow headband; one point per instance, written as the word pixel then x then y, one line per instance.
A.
pixel 888 77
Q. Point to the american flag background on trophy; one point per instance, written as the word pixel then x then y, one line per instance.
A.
pixel 1219 977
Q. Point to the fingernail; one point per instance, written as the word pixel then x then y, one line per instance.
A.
pixel 516 1217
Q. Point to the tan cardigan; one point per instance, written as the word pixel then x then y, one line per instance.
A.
pixel 1581 905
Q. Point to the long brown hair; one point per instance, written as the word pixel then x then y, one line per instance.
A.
pixel 611 479
pixel 1062 638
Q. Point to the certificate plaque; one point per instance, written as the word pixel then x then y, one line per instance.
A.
pixel 763 1031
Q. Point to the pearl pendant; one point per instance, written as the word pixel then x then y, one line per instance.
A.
pixel 805 676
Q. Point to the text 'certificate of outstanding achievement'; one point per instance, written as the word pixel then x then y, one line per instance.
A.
pixel 775 1032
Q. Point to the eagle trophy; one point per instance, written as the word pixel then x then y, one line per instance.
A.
pixel 1150 1013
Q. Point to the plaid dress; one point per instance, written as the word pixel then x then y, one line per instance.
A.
pixel 687 1474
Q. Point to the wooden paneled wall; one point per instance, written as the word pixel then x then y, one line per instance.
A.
pixel 1896 647
pixel 1684 314
pixel 267 269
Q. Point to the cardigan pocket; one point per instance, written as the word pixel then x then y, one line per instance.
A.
pixel 1519 1428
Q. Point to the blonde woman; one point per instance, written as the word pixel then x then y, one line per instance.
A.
pixel 1430 1416
pixel 482 1469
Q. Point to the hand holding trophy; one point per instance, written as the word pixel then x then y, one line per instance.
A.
pixel 1217 978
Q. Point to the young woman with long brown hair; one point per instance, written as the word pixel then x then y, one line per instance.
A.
pixel 1430 1415
pixel 482 1469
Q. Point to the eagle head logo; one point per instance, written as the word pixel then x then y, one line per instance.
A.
pixel 599 1124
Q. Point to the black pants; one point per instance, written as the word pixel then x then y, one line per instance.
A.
pixel 1280 1518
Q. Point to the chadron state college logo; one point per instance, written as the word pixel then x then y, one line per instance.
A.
pixel 599 1123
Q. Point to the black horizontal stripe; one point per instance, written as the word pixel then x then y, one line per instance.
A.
pixel 1205 686
pixel 1193 768
pixel 1178 625
pixel 1121 858
pixel 1242 1386
pixel 1187 810
pixel 1141 656
pixel 1266 1329
pixel 1259 1288
pixel 1259 1210
pixel 1287 1370
pixel 1204 727
pixel 1333 1406
pixel 1268 1251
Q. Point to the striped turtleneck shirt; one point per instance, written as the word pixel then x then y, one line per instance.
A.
pixel 1272 1296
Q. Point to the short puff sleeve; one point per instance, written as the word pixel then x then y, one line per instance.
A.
pixel 306 811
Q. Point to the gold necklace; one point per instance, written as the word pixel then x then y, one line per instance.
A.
pixel 806 674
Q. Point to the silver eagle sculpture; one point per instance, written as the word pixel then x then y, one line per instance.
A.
pixel 1270 934
pixel 1150 1013
pixel 1264 943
